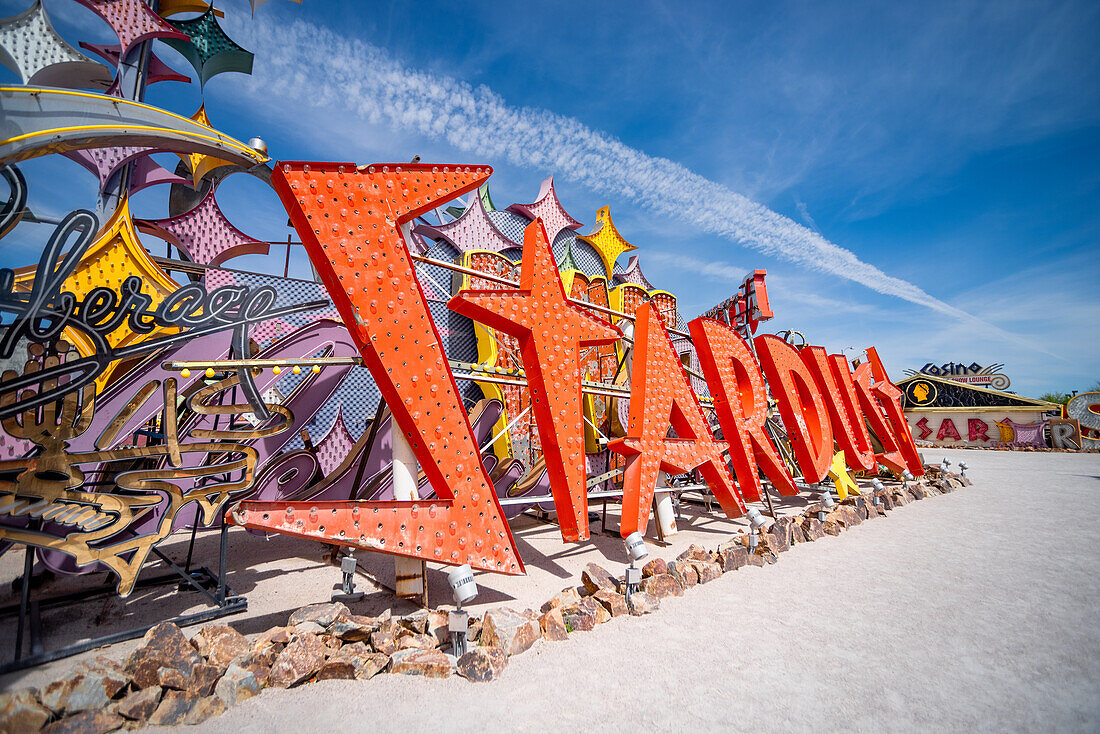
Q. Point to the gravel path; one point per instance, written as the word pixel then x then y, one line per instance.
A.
pixel 972 611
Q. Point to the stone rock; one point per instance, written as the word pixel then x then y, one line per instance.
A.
pixel 917 491
pixel 87 722
pixel 707 571
pixel 298 661
pixel 20 711
pixel 220 644
pixel 83 690
pixel 482 664
pixel 322 614
pixel 602 615
pixel 755 559
pixel 274 637
pixel 850 517
pixel 336 670
pixel 797 534
pixel 684 574
pixel 695 553
pixel 365 663
pixel 238 684
pixel 306 628
pixel 508 630
pixel 732 557
pixel 415 622
pixel 781 532
pixel 661 586
pixel 205 708
pixel 415 641
pixel 614 603
pixel 384 641
pixel 833 524
pixel 439 627
pixel 656 567
pixel 813 529
pixel 164 647
pixel 428 663
pixel 642 603
pixel 173 708
pixel 474 630
pixel 552 624
pixel 582 616
pixel 199 681
pixel 332 642
pixel 259 663
pixel 566 596
pixel 140 705
pixel 596 577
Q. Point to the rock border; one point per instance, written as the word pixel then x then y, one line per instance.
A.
pixel 171 680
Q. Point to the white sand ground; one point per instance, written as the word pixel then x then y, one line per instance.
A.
pixel 969 611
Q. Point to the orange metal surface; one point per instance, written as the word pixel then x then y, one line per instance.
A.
pixel 741 402
pixel 891 456
pixel 800 404
pixel 889 397
pixel 551 332
pixel 661 396
pixel 834 379
pixel 348 219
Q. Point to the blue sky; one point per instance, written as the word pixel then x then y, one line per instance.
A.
pixel 935 166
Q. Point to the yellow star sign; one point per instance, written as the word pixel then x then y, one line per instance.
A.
pixel 843 481
pixel 606 240
pixel 202 164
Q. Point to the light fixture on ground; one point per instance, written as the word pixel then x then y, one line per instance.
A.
pixel 945 465
pixel 757 520
pixel 464 588
pixel 347 592
pixel 827 504
pixel 962 468
pixel 879 487
pixel 635 548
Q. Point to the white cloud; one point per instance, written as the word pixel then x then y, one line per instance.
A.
pixel 316 68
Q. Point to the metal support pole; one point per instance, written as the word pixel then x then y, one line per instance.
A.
pixel 410 573
pixel 24 601
pixel 223 552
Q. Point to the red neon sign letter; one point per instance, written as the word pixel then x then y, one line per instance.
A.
pixel 660 394
pixel 551 331
pixel 741 402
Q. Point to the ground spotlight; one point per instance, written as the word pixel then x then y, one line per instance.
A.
pixel 962 468
pixel 944 465
pixel 347 591
pixel 827 503
pixel 464 589
pixel 879 487
pixel 635 548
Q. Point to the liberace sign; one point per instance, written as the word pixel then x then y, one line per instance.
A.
pixel 353 221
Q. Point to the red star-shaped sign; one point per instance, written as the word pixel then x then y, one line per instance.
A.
pixel 660 394
pixel 551 332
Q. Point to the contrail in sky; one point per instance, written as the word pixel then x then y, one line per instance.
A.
pixel 315 67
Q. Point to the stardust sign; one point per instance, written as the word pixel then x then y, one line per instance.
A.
pixel 354 223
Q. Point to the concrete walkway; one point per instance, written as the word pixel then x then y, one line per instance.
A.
pixel 974 611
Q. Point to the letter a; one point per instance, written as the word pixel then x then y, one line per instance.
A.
pixel 660 394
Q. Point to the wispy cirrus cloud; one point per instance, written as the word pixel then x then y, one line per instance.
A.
pixel 316 68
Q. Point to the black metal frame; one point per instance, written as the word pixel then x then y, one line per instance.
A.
pixel 224 603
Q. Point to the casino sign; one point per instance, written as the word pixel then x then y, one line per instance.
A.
pixel 972 374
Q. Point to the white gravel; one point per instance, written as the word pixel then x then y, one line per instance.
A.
pixel 974 611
